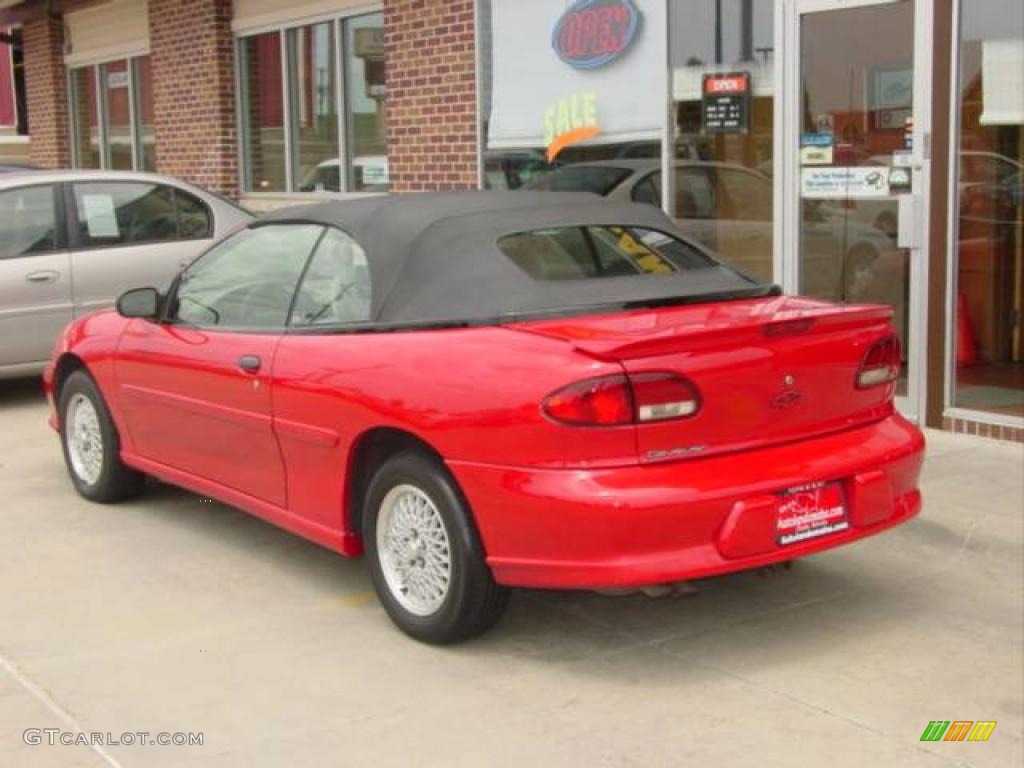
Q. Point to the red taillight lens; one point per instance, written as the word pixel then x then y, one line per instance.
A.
pixel 881 364
pixel 604 402
pixel 619 400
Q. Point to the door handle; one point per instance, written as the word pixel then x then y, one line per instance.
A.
pixel 250 363
pixel 43 276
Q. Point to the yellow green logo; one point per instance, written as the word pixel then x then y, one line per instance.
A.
pixel 958 730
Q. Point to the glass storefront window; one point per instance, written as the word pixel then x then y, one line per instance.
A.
pixel 112 115
pixel 989 248
pixel 313 67
pixel 367 137
pixel 574 98
pixel 85 118
pixel 722 54
pixel 291 115
pixel 117 96
pixel 144 107
pixel 263 112
pixel 854 157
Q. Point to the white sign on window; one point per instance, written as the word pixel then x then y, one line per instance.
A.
pixel 841 183
pixel 100 217
pixel 117 79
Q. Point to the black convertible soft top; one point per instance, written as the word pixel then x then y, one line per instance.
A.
pixel 434 257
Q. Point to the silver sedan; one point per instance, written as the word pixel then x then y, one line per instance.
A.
pixel 72 241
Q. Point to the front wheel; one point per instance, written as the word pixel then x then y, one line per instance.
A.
pixel 425 558
pixel 92 447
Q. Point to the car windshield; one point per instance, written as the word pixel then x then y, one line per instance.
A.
pixel 596 179
pixel 576 253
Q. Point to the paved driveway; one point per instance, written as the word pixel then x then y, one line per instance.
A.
pixel 171 614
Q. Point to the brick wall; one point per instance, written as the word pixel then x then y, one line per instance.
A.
pixel 46 92
pixel 967 427
pixel 431 94
pixel 194 92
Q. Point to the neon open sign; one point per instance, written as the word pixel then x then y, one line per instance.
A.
pixel 592 33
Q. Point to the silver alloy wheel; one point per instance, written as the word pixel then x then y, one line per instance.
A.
pixel 84 439
pixel 413 549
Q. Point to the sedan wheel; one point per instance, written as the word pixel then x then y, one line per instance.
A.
pixel 92 447
pixel 425 556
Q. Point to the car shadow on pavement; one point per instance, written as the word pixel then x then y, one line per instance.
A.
pixel 817 606
pixel 20 392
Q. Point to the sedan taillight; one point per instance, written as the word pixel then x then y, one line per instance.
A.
pixel 619 400
pixel 881 364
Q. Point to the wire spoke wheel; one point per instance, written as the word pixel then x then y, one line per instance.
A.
pixel 414 550
pixel 84 439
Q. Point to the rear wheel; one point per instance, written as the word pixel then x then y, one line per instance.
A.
pixel 92 447
pixel 425 557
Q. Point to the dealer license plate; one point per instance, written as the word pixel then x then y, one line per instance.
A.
pixel 811 511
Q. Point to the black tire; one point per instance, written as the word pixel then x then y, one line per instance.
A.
pixel 473 601
pixel 115 481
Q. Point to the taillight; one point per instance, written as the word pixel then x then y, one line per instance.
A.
pixel 604 402
pixel 881 364
pixel 661 396
pixel 620 400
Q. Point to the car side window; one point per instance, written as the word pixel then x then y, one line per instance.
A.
pixel 194 219
pixel 247 280
pixel 124 213
pixel 648 191
pixel 750 195
pixel 28 222
pixel 336 286
pixel 695 199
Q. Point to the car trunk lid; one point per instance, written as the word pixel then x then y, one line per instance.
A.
pixel 768 370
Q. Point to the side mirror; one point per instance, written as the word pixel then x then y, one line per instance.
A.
pixel 139 302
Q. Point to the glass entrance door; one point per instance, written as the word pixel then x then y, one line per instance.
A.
pixel 855 177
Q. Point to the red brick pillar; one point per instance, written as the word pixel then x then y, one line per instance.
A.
pixel 194 92
pixel 46 89
pixel 431 94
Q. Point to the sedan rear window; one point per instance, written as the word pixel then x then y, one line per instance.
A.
pixel 575 253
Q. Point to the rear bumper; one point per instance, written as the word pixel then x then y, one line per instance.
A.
pixel 639 525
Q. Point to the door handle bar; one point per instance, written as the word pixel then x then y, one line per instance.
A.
pixel 250 363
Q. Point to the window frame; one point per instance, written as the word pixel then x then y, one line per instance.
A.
pixel 99 69
pixel 73 222
pixel 342 103
pixel 60 230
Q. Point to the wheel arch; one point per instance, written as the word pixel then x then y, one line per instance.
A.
pixel 66 365
pixel 371 449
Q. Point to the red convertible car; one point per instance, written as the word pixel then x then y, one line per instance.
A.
pixel 485 390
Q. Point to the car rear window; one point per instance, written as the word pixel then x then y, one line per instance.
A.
pixel 596 179
pixel 576 253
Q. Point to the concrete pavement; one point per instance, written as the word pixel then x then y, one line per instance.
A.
pixel 174 614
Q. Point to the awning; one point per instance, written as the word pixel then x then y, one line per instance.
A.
pixel 1002 82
